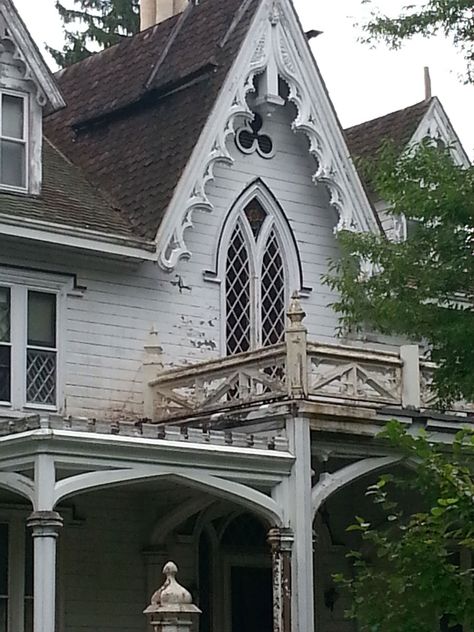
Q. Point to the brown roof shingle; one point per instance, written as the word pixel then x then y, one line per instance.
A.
pixel 134 140
pixel 366 139
pixel 67 198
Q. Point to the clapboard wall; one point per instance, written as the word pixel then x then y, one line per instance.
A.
pixel 106 324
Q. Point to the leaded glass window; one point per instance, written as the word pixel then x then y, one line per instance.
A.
pixel 238 293
pixel 272 293
pixel 28 346
pixel 41 349
pixel 256 284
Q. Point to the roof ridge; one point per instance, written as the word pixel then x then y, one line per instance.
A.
pixel 427 102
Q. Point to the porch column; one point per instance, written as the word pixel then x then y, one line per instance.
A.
pixel 45 527
pixel 281 542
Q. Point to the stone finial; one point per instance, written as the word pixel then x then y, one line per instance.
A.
pixel 296 313
pixel 171 598
pixel 171 592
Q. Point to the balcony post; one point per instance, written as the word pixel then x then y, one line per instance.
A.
pixel 152 365
pixel 410 356
pixel 296 351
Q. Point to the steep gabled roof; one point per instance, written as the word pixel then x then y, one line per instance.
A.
pixel 13 29
pixel 132 126
pixel 366 139
pixel 67 198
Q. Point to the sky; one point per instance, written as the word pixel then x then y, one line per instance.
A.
pixel 363 82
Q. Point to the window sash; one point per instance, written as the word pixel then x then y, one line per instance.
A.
pixel 34 369
pixel 22 142
pixel 258 244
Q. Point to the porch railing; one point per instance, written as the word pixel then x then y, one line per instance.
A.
pixel 294 369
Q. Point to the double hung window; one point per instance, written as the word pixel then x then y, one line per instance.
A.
pixel 256 281
pixel 13 140
pixel 28 347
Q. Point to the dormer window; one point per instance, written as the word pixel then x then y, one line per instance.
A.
pixel 13 141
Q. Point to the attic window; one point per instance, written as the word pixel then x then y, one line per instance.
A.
pixel 13 141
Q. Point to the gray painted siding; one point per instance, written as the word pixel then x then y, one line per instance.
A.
pixel 107 327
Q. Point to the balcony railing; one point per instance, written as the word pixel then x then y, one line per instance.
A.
pixel 295 369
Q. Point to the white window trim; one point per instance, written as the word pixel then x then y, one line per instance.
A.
pixel 26 138
pixel 19 282
pixel 274 220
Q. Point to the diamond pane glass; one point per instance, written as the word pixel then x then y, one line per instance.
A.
pixel 237 294
pixel 4 314
pixel 256 215
pixel 41 377
pixel 41 319
pixel 273 294
pixel 5 373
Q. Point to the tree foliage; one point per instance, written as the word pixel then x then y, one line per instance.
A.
pixel 453 18
pixel 94 25
pixel 420 288
pixel 417 576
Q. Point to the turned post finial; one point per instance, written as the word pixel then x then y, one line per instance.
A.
pixel 296 350
pixel 296 313
pixel 172 608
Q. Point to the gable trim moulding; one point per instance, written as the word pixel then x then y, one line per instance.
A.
pixel 275 37
pixel 15 34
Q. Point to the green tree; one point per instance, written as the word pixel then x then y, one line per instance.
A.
pixel 415 575
pixel 421 288
pixel 94 25
pixel 453 18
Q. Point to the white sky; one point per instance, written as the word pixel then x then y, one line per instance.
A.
pixel 363 82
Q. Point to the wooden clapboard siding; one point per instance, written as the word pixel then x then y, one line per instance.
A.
pixel 107 327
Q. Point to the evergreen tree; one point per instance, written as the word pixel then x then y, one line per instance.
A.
pixel 94 25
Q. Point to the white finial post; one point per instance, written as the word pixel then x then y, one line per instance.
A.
pixel 152 365
pixel 296 352
pixel 171 608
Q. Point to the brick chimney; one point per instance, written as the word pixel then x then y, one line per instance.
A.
pixel 155 11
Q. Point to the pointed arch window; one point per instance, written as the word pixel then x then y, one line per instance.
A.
pixel 258 271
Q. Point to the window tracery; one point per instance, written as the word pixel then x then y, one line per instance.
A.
pixel 257 278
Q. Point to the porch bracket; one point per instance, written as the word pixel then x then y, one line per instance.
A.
pixel 237 492
pixel 329 484
pixel 18 484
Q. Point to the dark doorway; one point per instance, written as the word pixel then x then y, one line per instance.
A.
pixel 251 590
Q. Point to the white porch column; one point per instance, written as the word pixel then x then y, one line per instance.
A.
pixel 45 527
pixel 301 521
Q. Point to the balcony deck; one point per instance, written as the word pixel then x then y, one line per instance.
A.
pixel 297 369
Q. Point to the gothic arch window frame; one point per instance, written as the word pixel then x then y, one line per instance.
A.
pixel 275 221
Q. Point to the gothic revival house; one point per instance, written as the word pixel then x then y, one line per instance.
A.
pixel 162 395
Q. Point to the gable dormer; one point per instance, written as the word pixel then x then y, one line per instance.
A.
pixel 27 88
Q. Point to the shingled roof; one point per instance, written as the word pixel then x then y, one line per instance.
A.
pixel 67 198
pixel 366 139
pixel 131 124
